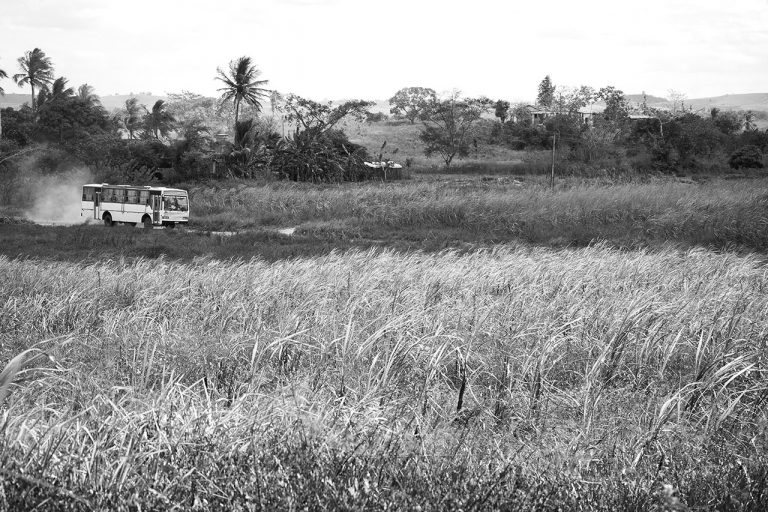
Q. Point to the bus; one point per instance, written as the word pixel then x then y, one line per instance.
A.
pixel 129 204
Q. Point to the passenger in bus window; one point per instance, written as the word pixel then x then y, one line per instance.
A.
pixel 171 203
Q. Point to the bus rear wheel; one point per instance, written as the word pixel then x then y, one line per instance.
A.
pixel 147 222
pixel 108 220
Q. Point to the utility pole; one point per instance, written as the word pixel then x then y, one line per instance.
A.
pixel 552 180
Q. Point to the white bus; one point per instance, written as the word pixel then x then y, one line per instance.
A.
pixel 128 204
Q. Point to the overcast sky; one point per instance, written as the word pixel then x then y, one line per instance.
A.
pixel 370 48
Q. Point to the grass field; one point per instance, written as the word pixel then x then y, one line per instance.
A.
pixel 454 343
pixel 427 213
pixel 589 377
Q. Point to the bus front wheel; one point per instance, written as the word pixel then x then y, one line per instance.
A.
pixel 108 220
pixel 147 222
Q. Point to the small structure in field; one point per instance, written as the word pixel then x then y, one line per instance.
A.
pixel 388 169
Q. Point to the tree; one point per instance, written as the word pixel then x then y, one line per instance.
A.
pixel 616 107
pixel 63 116
pixel 56 91
pixel 569 100
pixel 317 151
pixel 242 84
pixel 727 122
pixel 131 116
pixel 188 107
pixel 86 93
pixel 448 126
pixel 3 74
pixel 158 122
pixel 749 121
pixel 677 99
pixel 316 118
pixel 746 157
pixel 410 102
pixel 546 92
pixel 37 71
pixel 501 110
pixel 275 102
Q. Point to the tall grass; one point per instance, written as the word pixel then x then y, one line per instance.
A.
pixel 717 213
pixel 516 376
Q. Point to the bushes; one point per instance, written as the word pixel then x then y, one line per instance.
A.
pixel 325 157
pixel 749 157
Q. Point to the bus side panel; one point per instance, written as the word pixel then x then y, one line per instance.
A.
pixel 134 212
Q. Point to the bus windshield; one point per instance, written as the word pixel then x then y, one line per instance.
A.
pixel 175 203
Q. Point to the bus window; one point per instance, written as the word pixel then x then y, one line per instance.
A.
pixel 144 197
pixel 132 196
pixel 88 193
pixel 175 203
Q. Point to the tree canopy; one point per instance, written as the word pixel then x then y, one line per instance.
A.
pixel 546 94
pixel 411 102
pixel 158 122
pixel 448 125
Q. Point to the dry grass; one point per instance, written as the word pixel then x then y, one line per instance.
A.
pixel 718 213
pixel 360 379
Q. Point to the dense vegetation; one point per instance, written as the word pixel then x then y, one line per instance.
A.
pixel 191 137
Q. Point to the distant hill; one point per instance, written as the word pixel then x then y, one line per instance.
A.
pixel 115 101
pixel 14 100
pixel 650 99
pixel 755 101
pixel 749 101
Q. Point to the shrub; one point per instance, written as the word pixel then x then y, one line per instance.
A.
pixel 376 117
pixel 746 157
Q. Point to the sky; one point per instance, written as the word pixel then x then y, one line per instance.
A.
pixel 340 49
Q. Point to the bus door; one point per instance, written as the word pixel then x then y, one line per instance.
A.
pixel 96 207
pixel 157 202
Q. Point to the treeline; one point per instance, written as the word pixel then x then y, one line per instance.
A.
pixel 193 137
pixel 187 137
pixel 588 127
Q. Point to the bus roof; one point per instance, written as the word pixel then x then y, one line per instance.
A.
pixel 145 187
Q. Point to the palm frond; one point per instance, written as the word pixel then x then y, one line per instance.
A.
pixel 241 84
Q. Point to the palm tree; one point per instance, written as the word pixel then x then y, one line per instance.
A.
pixel 131 118
pixel 37 71
pixel 158 121
pixel 241 84
pixel 85 92
pixel 3 74
pixel 58 90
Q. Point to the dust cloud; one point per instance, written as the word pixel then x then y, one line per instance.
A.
pixel 55 199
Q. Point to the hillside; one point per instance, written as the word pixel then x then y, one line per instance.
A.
pixel 110 103
pixel 749 101
pixel 755 101
pixel 650 99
